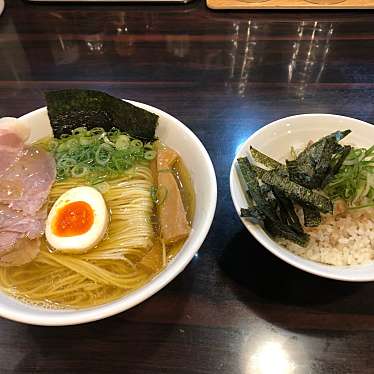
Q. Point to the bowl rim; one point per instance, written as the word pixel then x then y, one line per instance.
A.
pixel 178 264
pixel 265 240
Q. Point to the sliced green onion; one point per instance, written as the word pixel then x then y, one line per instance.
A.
pixel 79 171
pixel 293 153
pixel 97 154
pixel 62 147
pixel 85 140
pixel 122 142
pixel 62 173
pixel 96 131
pixel 53 145
pixel 103 153
pixel 355 179
pixel 79 131
pixel 107 141
pixel 149 155
pixel 136 143
pixel 361 206
pixel 148 147
pixel 72 143
pixel 67 162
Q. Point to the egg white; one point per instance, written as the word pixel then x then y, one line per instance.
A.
pixel 83 242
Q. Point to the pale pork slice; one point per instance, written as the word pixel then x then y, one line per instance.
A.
pixel 26 184
pixel 7 240
pixel 13 134
pixel 10 147
pixel 31 226
pixel 173 221
pixel 23 252
pixel 26 176
pixel 15 126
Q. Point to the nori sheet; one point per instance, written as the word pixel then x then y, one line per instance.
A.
pixel 72 108
pixel 287 210
pixel 264 159
pixel 253 214
pixel 294 182
pixel 336 164
pixel 312 165
pixel 297 192
pixel 267 161
pixel 312 216
pixel 271 221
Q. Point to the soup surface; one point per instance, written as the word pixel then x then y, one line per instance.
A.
pixel 131 254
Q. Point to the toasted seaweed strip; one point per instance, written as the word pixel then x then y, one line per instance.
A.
pixel 297 192
pixel 277 230
pixel 267 161
pixel 283 216
pixel 312 217
pixel 282 207
pixel 336 137
pixel 288 210
pixel 249 176
pixel 265 205
pixel 264 159
pixel 268 195
pixel 339 135
pixel 300 173
pixel 69 109
pixel 265 189
pixel 259 171
pixel 253 214
pixel 311 166
pixel 271 220
pixel 334 169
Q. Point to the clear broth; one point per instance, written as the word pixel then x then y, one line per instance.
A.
pixel 110 292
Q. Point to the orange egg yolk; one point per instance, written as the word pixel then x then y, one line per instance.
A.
pixel 73 219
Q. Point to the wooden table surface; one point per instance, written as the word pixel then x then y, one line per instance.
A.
pixel 236 308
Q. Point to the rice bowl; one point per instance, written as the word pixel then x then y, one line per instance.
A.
pixel 275 140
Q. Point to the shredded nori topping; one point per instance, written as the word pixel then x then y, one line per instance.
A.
pixel 273 193
pixel 287 210
pixel 264 209
pixel 296 192
pixel 312 216
pixel 314 162
pixel 264 159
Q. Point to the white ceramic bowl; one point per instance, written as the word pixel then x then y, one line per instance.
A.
pixel 173 133
pixel 275 140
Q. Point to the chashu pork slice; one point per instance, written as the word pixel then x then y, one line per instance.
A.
pixel 26 177
pixel 21 253
pixel 13 134
pixel 26 184
pixel 31 226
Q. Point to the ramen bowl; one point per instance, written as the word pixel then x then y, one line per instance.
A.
pixel 176 135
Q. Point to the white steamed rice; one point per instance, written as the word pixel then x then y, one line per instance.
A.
pixel 346 238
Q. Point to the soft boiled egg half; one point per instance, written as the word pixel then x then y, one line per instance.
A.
pixel 77 221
